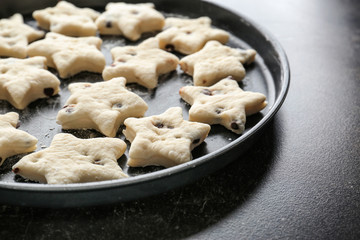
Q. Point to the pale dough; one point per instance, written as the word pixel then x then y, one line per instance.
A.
pixel 74 160
pixel 70 55
pixel 130 20
pixel 163 140
pixel 215 62
pixel 102 106
pixel 67 19
pixel 188 36
pixel 14 141
pixel 15 36
pixel 224 103
pixel 23 81
pixel 141 64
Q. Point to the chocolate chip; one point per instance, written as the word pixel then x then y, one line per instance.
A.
pixel 48 91
pixel 234 125
pixel 108 24
pixel 17 126
pixel 134 12
pixel 16 170
pixel 188 32
pixel 98 162
pixel 159 125
pixel 206 92
pixel 218 110
pixel 169 47
pixel 69 108
pixel 117 105
pixel 196 141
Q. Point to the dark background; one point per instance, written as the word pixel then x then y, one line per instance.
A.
pixel 299 180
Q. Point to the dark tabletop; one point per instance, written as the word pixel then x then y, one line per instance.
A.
pixel 300 179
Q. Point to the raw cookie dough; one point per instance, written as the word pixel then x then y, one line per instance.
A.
pixel 223 103
pixel 130 20
pixel 182 22
pixel 12 140
pixel 74 160
pixel 67 19
pixel 70 55
pixel 15 36
pixel 163 140
pixel 141 64
pixel 215 62
pixel 102 106
pixel 188 36
pixel 23 81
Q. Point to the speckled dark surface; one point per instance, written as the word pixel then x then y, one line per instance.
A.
pixel 299 181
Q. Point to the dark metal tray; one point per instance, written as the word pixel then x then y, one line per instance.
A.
pixel 269 75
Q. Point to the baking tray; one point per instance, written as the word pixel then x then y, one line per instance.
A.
pixel 269 74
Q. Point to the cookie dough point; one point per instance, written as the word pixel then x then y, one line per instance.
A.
pixel 73 160
pixel 102 106
pixel 15 36
pixel 23 81
pixel 13 141
pixel 215 62
pixel 163 140
pixel 223 103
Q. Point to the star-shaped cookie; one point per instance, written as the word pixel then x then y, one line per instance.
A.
pixel 70 55
pixel 163 140
pixel 23 81
pixel 215 62
pixel 224 103
pixel 130 20
pixel 102 106
pixel 13 141
pixel 15 36
pixel 67 19
pixel 74 160
pixel 188 36
pixel 152 61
